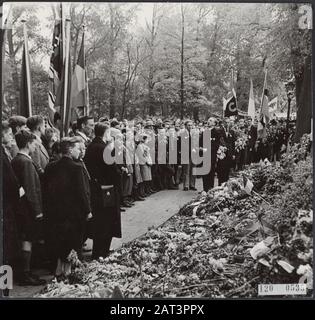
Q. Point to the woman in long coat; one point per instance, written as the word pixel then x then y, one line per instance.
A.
pixel 67 206
pixel 106 218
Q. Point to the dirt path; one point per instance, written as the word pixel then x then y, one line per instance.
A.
pixel 152 212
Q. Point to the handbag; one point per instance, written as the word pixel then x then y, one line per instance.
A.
pixel 108 195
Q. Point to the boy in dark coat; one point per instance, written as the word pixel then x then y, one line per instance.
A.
pixel 31 201
pixel 10 196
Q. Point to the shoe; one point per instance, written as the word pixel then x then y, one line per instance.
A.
pixel 185 189
pixel 193 188
pixel 126 205
pixel 29 279
pixel 139 198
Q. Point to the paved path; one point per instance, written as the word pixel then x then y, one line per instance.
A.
pixel 152 212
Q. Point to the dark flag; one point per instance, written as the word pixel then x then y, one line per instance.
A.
pixel 26 87
pixel 63 97
pixel 56 63
pixel 231 106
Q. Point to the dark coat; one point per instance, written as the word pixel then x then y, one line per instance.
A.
pixel 11 243
pixel 107 221
pixel 66 205
pixel 31 203
pixel 252 137
pixel 40 157
pixel 215 139
pixel 228 139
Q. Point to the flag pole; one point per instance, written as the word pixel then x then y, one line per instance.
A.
pixel 28 71
pixel 66 77
pixel 86 92
pixel 63 31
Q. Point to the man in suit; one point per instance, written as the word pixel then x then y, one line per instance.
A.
pixel 85 129
pixel 67 204
pixel 10 196
pixel 40 156
pixel 208 179
pixel 31 202
pixel 227 139
pixel 106 217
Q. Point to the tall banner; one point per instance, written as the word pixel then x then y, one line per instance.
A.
pixel 26 87
pixel 80 86
pixel 56 62
pixel 264 112
pixel 273 107
pixel 63 97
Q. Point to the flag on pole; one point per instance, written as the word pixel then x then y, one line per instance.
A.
pixel 26 87
pixel 79 86
pixel 251 103
pixel 56 63
pixel 264 116
pixel 273 107
pixel 230 107
pixel 63 97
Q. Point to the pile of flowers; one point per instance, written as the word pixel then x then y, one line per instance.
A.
pixel 222 244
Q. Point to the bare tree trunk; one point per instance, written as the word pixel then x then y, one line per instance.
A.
pixel 152 42
pixel 182 65
pixel 112 105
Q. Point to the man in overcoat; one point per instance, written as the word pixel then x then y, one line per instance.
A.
pixel 106 218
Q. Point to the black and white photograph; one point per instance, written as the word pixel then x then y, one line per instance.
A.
pixel 156 150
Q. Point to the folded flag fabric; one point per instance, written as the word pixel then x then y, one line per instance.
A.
pixel 248 185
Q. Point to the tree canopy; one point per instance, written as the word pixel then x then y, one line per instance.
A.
pixel 167 58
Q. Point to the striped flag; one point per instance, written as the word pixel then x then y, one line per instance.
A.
pixel 56 63
pixel 80 86
pixel 273 107
pixel 26 86
pixel 63 96
pixel 264 116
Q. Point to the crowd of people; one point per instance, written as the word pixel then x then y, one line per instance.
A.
pixel 60 192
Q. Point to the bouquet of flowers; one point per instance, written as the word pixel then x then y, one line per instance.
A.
pixel 221 153
pixel 240 143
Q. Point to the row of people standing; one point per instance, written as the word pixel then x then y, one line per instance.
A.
pixel 67 187
pixel 51 202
